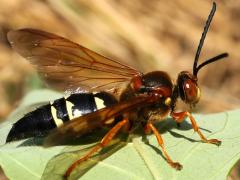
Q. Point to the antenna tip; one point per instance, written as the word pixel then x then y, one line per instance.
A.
pixel 214 6
pixel 227 54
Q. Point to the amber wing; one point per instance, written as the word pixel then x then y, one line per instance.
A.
pixel 66 65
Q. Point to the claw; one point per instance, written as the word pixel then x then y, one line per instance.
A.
pixel 214 141
pixel 176 165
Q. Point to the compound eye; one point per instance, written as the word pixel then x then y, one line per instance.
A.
pixel 192 92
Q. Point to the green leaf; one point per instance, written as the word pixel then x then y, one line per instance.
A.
pixel 135 160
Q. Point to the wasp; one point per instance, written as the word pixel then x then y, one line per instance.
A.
pixel 145 99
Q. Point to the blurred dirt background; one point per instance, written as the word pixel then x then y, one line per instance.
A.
pixel 149 35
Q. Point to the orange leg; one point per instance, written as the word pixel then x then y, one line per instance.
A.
pixel 148 128
pixel 180 116
pixel 104 142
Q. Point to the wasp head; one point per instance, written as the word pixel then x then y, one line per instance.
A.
pixel 188 88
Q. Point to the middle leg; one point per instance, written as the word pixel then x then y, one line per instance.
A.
pixel 150 128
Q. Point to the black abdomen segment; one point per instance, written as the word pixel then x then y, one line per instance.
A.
pixel 40 121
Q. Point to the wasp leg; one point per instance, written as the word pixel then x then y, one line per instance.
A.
pixel 104 142
pixel 180 116
pixel 148 128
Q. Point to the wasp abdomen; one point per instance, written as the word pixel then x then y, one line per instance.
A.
pixel 54 114
pixel 35 123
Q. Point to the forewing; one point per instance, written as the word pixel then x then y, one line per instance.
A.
pixel 87 123
pixel 66 65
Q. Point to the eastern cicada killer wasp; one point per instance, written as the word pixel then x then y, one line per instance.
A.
pixel 146 99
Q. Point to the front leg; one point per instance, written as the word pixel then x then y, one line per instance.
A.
pixel 180 116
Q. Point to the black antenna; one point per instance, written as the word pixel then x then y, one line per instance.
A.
pixel 205 30
pixel 218 57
